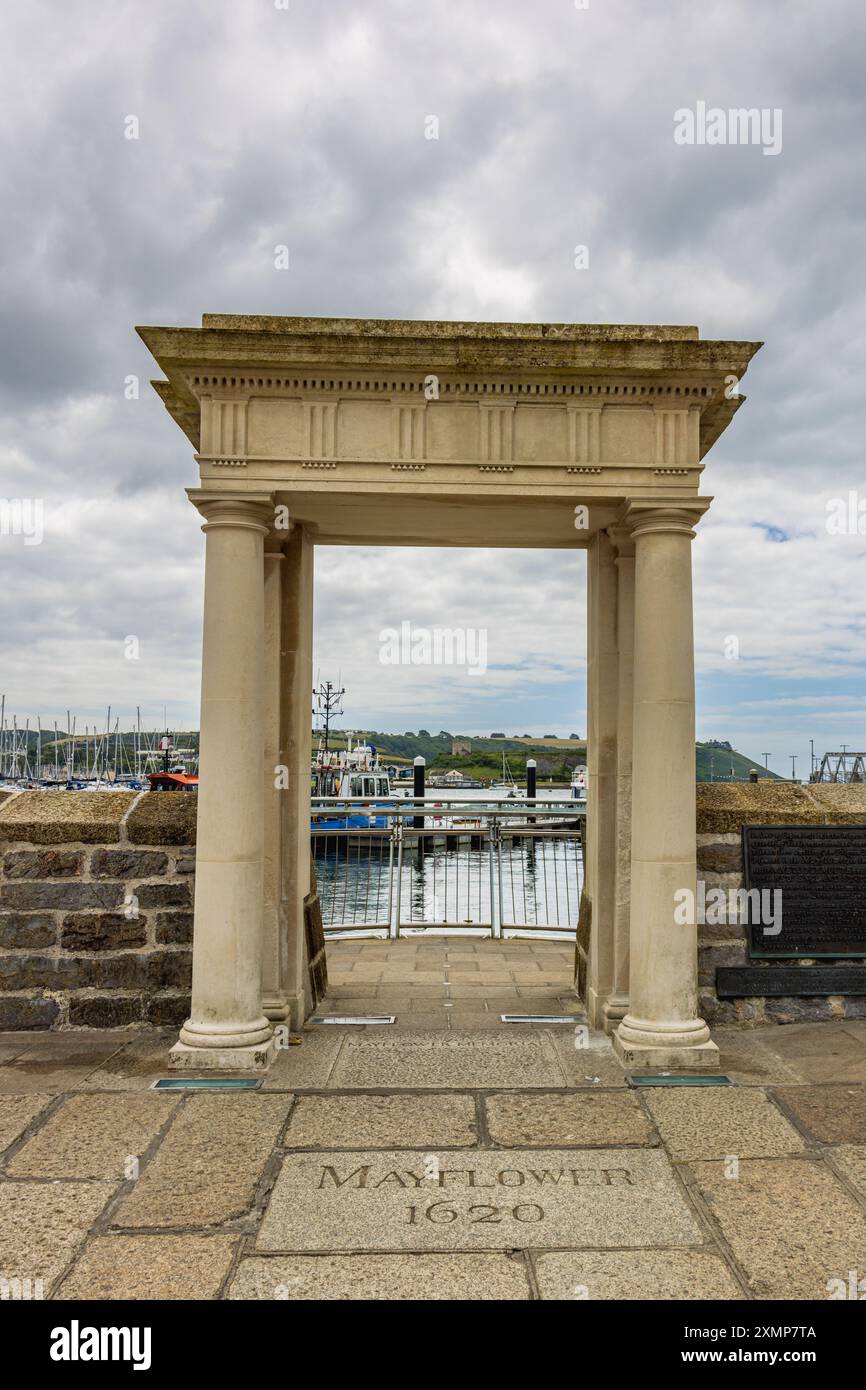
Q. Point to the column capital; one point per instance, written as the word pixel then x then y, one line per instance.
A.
pixel 622 541
pixel 240 510
pixel 645 516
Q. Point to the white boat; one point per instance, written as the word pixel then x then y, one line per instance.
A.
pixel 508 784
pixel 578 784
pixel 353 772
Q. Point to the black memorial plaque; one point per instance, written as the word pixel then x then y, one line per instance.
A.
pixel 788 981
pixel 821 873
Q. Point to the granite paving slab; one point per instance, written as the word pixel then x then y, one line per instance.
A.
pixel 403 1200
pixel 141 1062
pixel 386 1278
pixel 94 1136
pixel 718 1122
pixel 150 1267
pixel 363 1121
pixel 16 1112
pixel 42 1225
pixel 831 1114
pixel 447 1059
pixel 790 1223
pixel 655 1275
pixel 311 1062
pixel 208 1166
pixel 580 1118
pixel 850 1159
pixel 586 1058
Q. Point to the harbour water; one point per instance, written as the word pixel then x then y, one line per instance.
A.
pixel 467 881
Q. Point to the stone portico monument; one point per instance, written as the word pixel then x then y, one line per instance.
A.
pixel 370 432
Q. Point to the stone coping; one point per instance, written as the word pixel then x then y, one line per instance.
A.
pixel 444 328
pixel 151 818
pixel 725 807
pixel 93 818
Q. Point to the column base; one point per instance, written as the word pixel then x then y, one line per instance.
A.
pixel 254 1057
pixel 662 1056
pixel 614 1011
pixel 275 1008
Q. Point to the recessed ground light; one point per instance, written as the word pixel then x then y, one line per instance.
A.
pixel 349 1021
pixel 229 1083
pixel 540 1018
pixel 664 1080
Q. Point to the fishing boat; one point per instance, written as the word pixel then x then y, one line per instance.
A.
pixel 177 780
pixel 350 774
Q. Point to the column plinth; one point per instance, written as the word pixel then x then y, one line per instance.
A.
pixel 227 1028
pixel 661 1029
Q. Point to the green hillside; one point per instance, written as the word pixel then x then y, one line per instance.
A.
pixel 556 757
pixel 717 761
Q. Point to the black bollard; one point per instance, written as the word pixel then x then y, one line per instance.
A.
pixel 530 784
pixel 418 790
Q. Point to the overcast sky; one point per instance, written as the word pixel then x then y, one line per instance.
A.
pixel 261 124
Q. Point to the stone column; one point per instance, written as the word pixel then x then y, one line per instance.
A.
pixel 616 1004
pixel 600 869
pixel 227 1029
pixel 662 1029
pixel 274 954
pixel 296 724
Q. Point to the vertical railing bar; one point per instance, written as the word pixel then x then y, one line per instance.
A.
pixel 555 858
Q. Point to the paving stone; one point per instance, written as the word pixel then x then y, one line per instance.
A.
pixel 818 1053
pixel 54 1069
pixel 714 1123
pixel 93 1136
pixel 828 1070
pixel 207 1167
pixel 381 1121
pixel 791 1225
pixel 309 1063
pixel 747 1056
pixel 850 1159
pixel 439 1060
pixel 386 1278
pixel 16 1112
pixel 583 1066
pixel 42 1225
pixel 487 1200
pixel 832 1114
pixel 415 1020
pixel 580 1118
pixel 470 1020
pixel 659 1275
pixel 150 1267
pixel 141 1062
pixel 812 1040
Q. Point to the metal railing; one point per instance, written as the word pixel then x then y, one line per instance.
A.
pixel 486 868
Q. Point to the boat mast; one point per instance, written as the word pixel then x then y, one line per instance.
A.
pixel 329 701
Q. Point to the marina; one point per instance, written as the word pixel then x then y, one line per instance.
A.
pixel 83 757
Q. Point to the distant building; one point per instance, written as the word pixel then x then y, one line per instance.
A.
pixel 461 747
